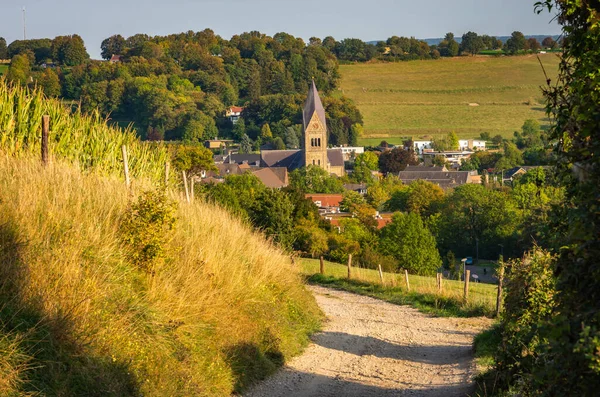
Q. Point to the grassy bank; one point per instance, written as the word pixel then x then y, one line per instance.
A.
pixel 433 97
pixel 224 309
pixel 423 292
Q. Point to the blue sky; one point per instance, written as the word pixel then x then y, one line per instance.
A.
pixel 367 20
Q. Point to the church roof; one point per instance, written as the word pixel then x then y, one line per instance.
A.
pixel 313 104
pixel 294 159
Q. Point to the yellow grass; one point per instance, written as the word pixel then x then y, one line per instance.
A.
pixel 424 98
pixel 77 319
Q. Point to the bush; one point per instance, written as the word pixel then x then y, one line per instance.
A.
pixel 145 229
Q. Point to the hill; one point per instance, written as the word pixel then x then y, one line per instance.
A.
pixel 424 98
pixel 110 291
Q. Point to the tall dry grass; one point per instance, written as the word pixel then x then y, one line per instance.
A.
pixel 84 139
pixel 77 319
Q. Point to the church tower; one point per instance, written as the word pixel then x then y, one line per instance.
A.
pixel 315 131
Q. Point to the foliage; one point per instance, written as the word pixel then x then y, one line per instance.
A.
pixel 20 70
pixel 3 48
pixel 396 160
pixel 193 159
pixel 314 179
pixel 146 228
pixel 351 199
pixel 364 164
pixel 515 43
pixel 471 43
pixel 411 243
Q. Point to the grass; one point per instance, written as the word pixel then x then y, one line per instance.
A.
pixel 423 294
pixel 485 345
pixel 225 309
pixel 3 69
pixel 429 98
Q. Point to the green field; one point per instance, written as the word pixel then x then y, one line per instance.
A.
pixel 423 290
pixel 3 69
pixel 468 95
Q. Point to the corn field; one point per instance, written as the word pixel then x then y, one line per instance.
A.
pixel 83 139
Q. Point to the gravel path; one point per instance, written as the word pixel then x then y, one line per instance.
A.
pixel 373 348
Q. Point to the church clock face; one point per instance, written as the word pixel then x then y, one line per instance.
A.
pixel 315 126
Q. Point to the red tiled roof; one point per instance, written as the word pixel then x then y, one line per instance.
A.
pixel 327 200
pixel 236 109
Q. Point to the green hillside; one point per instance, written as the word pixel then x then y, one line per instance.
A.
pixel 468 95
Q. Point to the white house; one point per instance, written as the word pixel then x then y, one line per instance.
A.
pixel 349 151
pixel 234 113
pixel 471 144
pixel 419 146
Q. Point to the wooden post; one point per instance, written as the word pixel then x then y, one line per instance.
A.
pixel 406 278
pixel 440 277
pixel 500 282
pixel 380 274
pixel 349 266
pixel 322 267
pixel 126 165
pixel 45 132
pixel 467 277
pixel 167 168
pixel 187 192
pixel 192 188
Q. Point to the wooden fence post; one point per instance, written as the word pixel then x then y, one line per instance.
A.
pixel 499 297
pixel 322 266
pixel 349 266
pixel 126 165
pixel 192 188
pixel 406 278
pixel 467 277
pixel 440 277
pixel 45 132
pixel 380 274
pixel 187 192
pixel 167 168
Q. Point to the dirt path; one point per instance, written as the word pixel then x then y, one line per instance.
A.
pixel 373 348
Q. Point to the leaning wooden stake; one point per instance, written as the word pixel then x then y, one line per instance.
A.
pixel 322 266
pixel 45 133
pixel 499 297
pixel 349 266
pixel 380 274
pixel 406 278
pixel 167 168
pixel 467 277
pixel 192 188
pixel 126 165
pixel 440 277
pixel 187 191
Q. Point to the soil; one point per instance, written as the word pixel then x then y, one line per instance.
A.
pixel 374 348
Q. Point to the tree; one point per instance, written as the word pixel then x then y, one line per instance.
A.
pixel 364 165
pixel 271 212
pixel 3 49
pixel 239 129
pixel 278 144
pixel 449 47
pixel 351 199
pixel 193 160
pixel 533 44
pixel 114 45
pixel 19 69
pixel 549 43
pixel 471 43
pixel 245 144
pixel 50 83
pixel 411 243
pixel 69 50
pixel 497 139
pixel 515 43
pixel 291 138
pixel 485 136
pixel 396 160
pixel 310 239
pixel 265 132
pixel 511 157
pixel 314 179
pixel 453 142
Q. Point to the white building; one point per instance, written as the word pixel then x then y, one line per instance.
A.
pixel 234 113
pixel 419 146
pixel 349 151
pixel 471 144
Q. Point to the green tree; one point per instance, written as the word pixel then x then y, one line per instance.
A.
pixel 396 160
pixel 265 132
pixel 411 243
pixel 239 129
pixel 471 43
pixel 3 49
pixel 50 83
pixel 245 144
pixel 549 43
pixel 364 164
pixel 351 199
pixel 310 239
pixel 278 144
pixel 516 42
pixel 291 138
pixel 69 50
pixel 533 44
pixel 114 45
pixel 271 212
pixel 193 160
pixel 314 179
pixel 19 70
pixel 453 140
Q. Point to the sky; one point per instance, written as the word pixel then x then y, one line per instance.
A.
pixel 96 20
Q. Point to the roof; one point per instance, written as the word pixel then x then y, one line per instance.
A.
pixel 228 169
pixel 294 159
pixel 236 109
pixel 238 158
pixel 115 58
pixel 313 104
pixel 335 157
pixel 513 171
pixel 445 179
pixel 355 186
pixel 271 178
pixel 327 200
pixel 422 167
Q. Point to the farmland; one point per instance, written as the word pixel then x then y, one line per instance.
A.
pixel 466 95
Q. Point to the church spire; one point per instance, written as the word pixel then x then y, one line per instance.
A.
pixel 313 105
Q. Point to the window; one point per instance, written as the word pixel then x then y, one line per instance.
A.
pixel 319 142
pixel 313 162
pixel 319 162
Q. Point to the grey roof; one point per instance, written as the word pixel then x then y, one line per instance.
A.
pixel 445 179
pixel 313 104
pixel 240 158
pixel 422 167
pixel 335 157
pixel 294 159
pixel 355 186
pixel 271 177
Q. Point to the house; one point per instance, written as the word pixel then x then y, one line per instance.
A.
pixel 513 173
pixel 454 157
pixel 275 178
pixel 382 219
pixel 419 146
pixel 328 203
pixel 252 159
pixel 350 152
pixel 115 58
pixel 217 143
pixel 439 175
pixel 471 144
pixel 360 188
pixel 314 151
pixel 234 113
